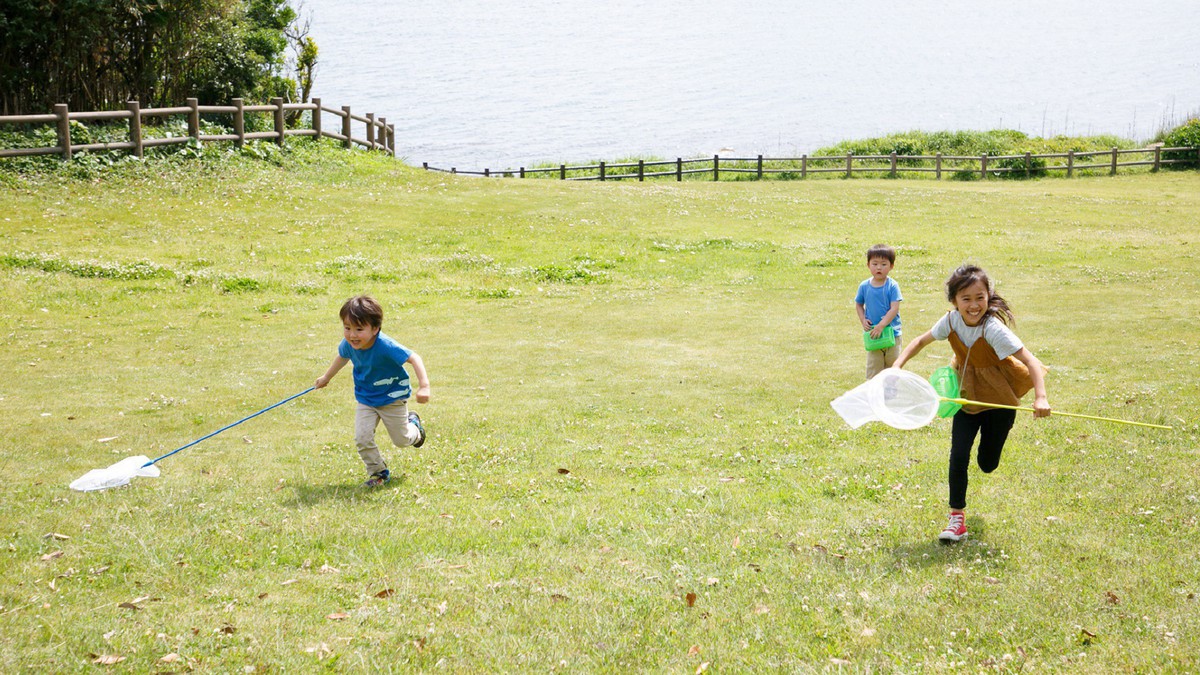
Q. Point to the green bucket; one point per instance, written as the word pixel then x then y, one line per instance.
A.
pixel 886 339
pixel 945 383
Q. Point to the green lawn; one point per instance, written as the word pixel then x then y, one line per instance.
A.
pixel 632 463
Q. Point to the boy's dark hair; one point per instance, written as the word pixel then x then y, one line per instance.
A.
pixel 882 251
pixel 362 310
pixel 966 275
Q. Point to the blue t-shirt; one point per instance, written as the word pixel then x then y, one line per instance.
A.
pixel 877 301
pixel 379 375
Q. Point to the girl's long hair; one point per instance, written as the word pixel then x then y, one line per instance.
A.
pixel 968 274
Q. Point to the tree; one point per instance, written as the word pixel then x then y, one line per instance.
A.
pixel 96 54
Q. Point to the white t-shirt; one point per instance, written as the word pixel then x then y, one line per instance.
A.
pixel 992 330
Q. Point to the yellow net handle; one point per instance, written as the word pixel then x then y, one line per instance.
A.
pixel 963 401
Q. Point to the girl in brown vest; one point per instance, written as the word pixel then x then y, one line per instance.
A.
pixel 993 366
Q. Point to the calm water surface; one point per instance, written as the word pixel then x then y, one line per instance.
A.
pixel 493 83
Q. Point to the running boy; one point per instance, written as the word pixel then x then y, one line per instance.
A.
pixel 381 384
pixel 994 366
pixel 878 306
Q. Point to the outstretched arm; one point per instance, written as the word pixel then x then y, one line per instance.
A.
pixel 913 348
pixel 418 367
pixel 1041 404
pixel 338 364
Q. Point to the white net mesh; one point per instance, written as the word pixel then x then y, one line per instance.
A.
pixel 116 475
pixel 895 397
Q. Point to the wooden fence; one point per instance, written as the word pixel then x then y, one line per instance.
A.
pixel 379 134
pixel 982 166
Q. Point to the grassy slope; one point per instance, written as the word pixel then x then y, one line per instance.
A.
pixel 682 375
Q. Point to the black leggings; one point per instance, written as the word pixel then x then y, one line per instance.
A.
pixel 992 427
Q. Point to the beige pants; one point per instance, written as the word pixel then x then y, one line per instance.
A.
pixel 395 420
pixel 879 359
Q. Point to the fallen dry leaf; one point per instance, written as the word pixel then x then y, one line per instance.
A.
pixel 701 668
pixel 564 471
pixel 107 439
pixel 52 556
pixel 326 569
pixel 170 658
pixel 558 597
pixel 107 659
pixel 337 616
pixel 262 596
pixel 385 593
pixel 228 630
pixel 737 541
pixel 287 583
pixel 762 609
pixel 713 581
pixel 868 632
pixel 839 662
pixel 129 605
pixel 446 515
pixel 690 599
pixel 55 535
pixel 1112 598
pixel 694 650
pixel 441 609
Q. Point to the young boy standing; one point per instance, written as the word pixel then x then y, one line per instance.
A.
pixel 381 384
pixel 878 306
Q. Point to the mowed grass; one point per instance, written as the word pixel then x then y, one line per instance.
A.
pixel 632 463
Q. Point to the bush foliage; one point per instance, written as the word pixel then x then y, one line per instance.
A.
pixel 97 54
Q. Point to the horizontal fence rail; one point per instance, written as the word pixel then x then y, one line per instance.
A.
pixel 891 165
pixel 379 135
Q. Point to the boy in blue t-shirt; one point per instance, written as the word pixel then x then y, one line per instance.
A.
pixel 878 306
pixel 381 384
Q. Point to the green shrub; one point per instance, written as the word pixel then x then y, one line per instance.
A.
pixel 1186 135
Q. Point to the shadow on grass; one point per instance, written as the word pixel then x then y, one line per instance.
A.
pixel 311 495
pixel 933 551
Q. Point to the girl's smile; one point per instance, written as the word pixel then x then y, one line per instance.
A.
pixel 972 303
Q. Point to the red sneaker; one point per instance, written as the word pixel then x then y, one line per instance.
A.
pixel 956 529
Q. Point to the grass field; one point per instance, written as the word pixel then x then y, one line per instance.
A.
pixel 632 463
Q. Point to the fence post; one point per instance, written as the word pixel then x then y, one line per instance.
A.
pixel 239 122
pixel 382 134
pixel 194 118
pixel 939 166
pixel 562 171
pixel 1070 163
pixel 641 170
pixel 678 169
pixel 601 170
pixel 135 126
pixel 983 166
pixel 1157 156
pixel 893 165
pixel 425 165
pixel 1028 164
pixel 392 138
pixel 1113 171
pixel 316 118
pixel 346 127
pixel 716 167
pixel 487 172
pixel 279 126
pixel 522 172
pixel 804 166
pixel 849 166
pixel 370 131
pixel 64 130
pixel 760 167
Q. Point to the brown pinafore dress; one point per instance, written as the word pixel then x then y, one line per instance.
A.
pixel 986 377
